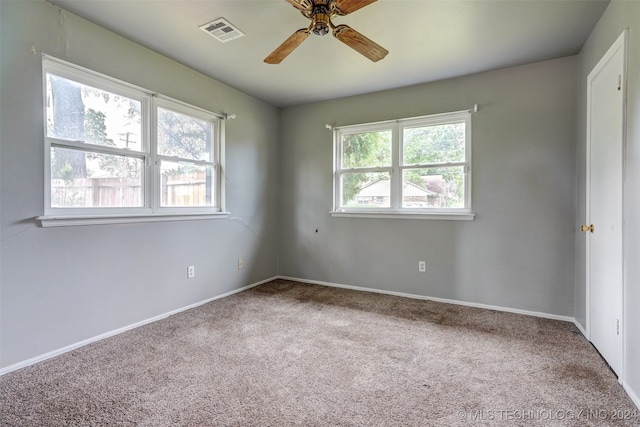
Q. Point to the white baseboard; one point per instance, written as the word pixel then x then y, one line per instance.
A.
pixel 632 394
pixel 443 300
pixel 582 330
pixel 82 343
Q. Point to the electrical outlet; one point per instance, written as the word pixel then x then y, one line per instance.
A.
pixel 422 266
pixel 240 263
pixel 191 272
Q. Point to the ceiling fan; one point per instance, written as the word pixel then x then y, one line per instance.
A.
pixel 320 13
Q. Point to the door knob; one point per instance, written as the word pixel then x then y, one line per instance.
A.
pixel 585 228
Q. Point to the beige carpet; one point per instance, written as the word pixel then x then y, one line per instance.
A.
pixel 287 353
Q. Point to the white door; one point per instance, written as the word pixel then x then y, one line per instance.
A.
pixel 605 148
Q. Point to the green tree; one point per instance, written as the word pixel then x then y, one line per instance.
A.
pixel 95 129
pixel 96 133
pixel 183 136
pixel 363 150
pixel 433 145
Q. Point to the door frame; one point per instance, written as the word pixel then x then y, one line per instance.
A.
pixel 620 43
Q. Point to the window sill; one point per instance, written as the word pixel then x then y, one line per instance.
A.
pixel 446 216
pixel 74 220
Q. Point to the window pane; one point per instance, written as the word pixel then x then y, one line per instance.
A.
pixel 92 180
pixel 367 149
pixel 434 144
pixel 433 188
pixel 370 190
pixel 77 112
pixel 186 185
pixel 183 136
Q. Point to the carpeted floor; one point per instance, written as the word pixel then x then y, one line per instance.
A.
pixel 287 353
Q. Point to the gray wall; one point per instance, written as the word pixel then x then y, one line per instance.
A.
pixel 517 253
pixel 63 285
pixel 618 16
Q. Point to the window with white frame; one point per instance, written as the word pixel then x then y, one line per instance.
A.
pixel 113 149
pixel 410 166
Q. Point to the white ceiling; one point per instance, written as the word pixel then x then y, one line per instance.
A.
pixel 427 39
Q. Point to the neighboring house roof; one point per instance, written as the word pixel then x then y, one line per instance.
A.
pixel 380 188
pixel 413 190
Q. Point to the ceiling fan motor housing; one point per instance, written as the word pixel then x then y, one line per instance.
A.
pixel 321 20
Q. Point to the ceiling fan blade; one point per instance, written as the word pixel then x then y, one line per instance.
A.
pixel 362 44
pixel 345 7
pixel 300 4
pixel 287 47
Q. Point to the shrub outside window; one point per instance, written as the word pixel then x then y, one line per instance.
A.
pixel 115 149
pixel 411 166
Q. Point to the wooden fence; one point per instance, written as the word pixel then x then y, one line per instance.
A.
pixel 188 189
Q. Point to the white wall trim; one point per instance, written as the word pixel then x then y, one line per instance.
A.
pixel 82 343
pixel 451 216
pixel 442 300
pixel 73 220
pixel 580 327
pixel 632 394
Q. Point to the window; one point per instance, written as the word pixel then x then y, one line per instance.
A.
pixel 418 166
pixel 185 158
pixel 114 150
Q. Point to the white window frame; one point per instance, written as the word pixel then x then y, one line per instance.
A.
pixel 151 210
pixel 396 169
pixel 182 108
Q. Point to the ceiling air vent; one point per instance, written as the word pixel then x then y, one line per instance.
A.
pixel 222 30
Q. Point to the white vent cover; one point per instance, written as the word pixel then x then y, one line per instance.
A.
pixel 222 30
